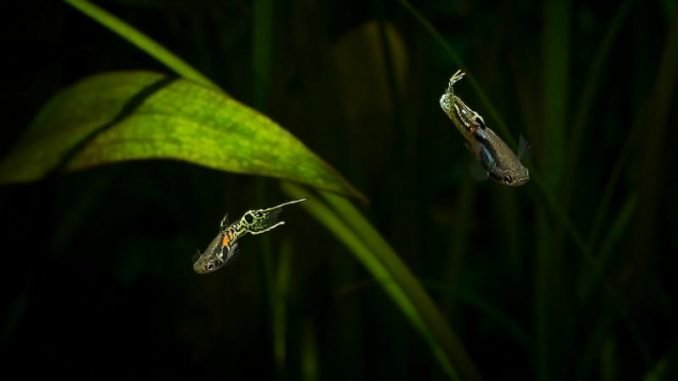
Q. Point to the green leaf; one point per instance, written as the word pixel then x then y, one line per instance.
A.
pixel 393 276
pixel 141 41
pixel 137 115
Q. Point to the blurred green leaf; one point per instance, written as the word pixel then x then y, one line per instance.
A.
pixel 309 352
pixel 615 233
pixel 135 115
pixel 279 305
pixel 367 245
pixel 140 40
pixel 659 371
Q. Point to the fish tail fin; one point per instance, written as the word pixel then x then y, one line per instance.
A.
pixel 268 221
pixel 279 206
pixel 456 77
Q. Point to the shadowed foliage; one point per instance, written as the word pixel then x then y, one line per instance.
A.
pixel 133 126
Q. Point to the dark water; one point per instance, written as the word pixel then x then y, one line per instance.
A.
pixel 570 277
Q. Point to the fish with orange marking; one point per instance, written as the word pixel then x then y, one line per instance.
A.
pixel 223 246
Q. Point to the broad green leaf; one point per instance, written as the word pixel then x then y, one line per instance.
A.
pixel 137 115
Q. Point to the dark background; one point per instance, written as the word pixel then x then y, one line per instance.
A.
pixel 96 268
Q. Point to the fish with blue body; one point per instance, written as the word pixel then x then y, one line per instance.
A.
pixel 224 246
pixel 497 160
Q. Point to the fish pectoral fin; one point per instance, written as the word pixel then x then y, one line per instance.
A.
pixel 195 256
pixel 232 251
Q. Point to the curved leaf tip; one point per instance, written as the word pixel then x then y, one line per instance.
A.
pixel 139 115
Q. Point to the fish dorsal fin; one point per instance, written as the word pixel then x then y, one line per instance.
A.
pixel 196 255
pixel 524 150
pixel 224 222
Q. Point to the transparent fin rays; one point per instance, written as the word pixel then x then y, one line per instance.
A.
pixel 264 220
pixel 456 77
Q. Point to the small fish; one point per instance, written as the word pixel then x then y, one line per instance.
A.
pixel 214 257
pixel 496 159
pixel 223 246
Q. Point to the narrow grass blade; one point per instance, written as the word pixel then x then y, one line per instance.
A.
pixel 655 143
pixel 279 306
pixel 309 352
pixel 140 40
pixel 261 46
pixel 262 50
pixel 608 361
pixel 492 312
pixel 501 125
pixel 388 258
pixel 556 52
pixel 591 83
pixel 345 222
pixel 615 232
pixel 484 99
pixel 655 118
pixel 660 370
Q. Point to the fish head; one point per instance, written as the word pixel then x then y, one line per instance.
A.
pixel 504 166
pixel 212 259
pixel 515 176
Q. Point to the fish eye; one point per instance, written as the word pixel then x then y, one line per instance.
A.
pixel 508 179
pixel 210 266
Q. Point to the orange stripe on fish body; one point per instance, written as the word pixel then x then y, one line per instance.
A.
pixel 228 238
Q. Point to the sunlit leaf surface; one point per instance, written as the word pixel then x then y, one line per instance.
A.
pixel 137 115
